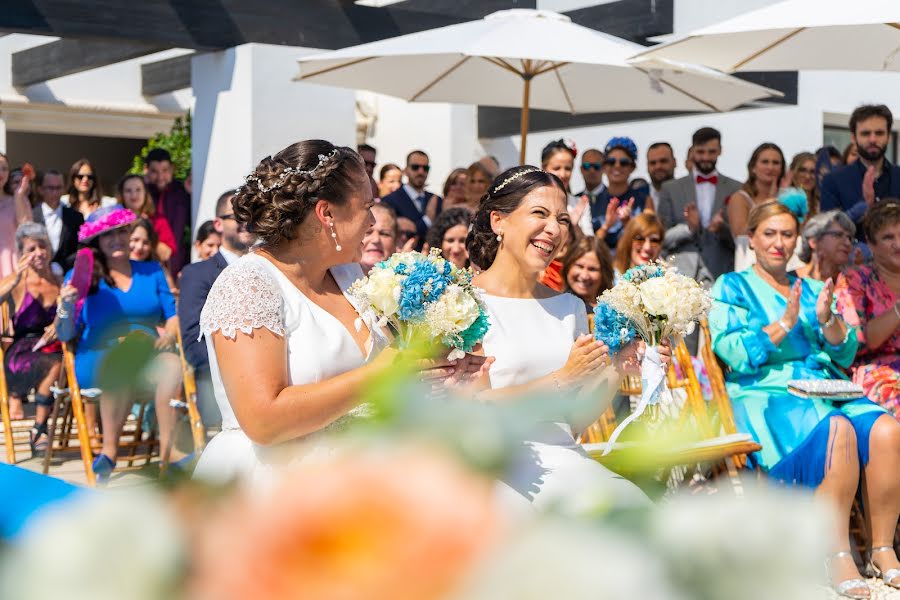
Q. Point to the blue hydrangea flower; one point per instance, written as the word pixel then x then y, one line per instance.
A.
pixel 423 284
pixel 612 328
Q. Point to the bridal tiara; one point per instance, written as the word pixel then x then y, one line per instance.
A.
pixel 282 177
pixel 515 176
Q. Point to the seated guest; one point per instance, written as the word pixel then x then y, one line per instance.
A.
pixel 84 193
pixel 868 297
pixel 640 243
pixel 618 202
pixel 126 298
pixel 412 200
pixel 449 235
pixel 142 245
pixel 859 185
pixel 132 194
pixel 765 170
pixel 33 360
pixel 587 270
pixel 558 158
pixel 827 245
pixel 196 281
pixel 455 188
pixel 803 176
pixel 381 238
pixel 61 222
pixel 389 179
pixel 207 241
pixel 478 178
pixel 770 327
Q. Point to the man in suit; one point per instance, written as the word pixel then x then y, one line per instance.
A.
pixel 172 201
pixel 592 173
pixel 859 185
pixel 660 167
pixel 196 281
pixel 411 200
pixel 62 222
pixel 692 207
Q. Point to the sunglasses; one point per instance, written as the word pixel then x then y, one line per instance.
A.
pixel 425 168
pixel 623 162
pixel 80 176
pixel 589 166
pixel 654 241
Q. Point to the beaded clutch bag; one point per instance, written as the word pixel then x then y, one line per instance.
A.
pixel 827 389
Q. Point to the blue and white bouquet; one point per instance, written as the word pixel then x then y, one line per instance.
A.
pixel 419 295
pixel 651 302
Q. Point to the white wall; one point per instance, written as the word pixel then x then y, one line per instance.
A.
pixel 248 107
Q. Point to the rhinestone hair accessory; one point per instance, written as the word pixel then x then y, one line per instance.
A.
pixel 513 177
pixel 323 159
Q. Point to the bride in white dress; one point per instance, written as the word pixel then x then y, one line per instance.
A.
pixel 539 338
pixel 288 351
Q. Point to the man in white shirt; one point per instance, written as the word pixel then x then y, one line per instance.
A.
pixel 692 208
pixel 660 167
pixel 411 200
pixel 62 222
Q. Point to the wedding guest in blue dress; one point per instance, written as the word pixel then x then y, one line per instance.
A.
pixel 770 326
pixel 617 203
pixel 126 298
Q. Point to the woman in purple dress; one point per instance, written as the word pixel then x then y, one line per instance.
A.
pixel 33 360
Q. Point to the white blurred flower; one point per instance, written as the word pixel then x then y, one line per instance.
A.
pixel 103 546
pixel 571 560
pixel 657 298
pixel 767 544
pixel 381 291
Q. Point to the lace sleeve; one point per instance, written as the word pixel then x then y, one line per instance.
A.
pixel 244 297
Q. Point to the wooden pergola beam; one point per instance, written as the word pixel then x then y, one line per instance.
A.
pixel 164 76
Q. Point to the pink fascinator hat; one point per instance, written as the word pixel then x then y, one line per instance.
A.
pixel 103 220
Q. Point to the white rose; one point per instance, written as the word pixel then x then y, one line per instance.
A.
pixel 454 311
pixel 655 296
pixel 383 291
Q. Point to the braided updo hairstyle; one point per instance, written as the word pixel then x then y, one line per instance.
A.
pixel 274 212
pixel 482 240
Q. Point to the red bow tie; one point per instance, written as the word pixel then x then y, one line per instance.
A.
pixel 713 179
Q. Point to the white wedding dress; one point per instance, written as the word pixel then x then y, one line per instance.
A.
pixel 250 294
pixel 530 339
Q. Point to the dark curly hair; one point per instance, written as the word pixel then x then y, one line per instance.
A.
pixel 275 214
pixel 482 241
pixel 450 218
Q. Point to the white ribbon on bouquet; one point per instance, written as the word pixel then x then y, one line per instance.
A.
pixel 653 384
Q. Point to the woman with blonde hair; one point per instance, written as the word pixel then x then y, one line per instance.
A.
pixel 478 178
pixel 803 176
pixel 455 188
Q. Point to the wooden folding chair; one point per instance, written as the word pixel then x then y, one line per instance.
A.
pixel 188 405
pixel 13 433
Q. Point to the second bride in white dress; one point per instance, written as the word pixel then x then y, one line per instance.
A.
pixel 539 339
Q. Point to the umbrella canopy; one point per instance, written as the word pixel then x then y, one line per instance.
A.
pixel 796 35
pixel 529 59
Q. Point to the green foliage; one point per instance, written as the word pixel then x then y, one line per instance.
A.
pixel 177 142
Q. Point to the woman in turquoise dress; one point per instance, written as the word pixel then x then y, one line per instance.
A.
pixel 770 326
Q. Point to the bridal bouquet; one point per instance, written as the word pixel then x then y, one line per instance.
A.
pixel 651 302
pixel 419 295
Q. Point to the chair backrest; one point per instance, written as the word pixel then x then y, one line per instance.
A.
pixel 721 401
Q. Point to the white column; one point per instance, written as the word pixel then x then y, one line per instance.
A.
pixel 3 136
pixel 247 106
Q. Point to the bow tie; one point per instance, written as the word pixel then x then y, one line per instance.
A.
pixel 713 179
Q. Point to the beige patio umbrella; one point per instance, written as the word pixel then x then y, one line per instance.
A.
pixel 528 59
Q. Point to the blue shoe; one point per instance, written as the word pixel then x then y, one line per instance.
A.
pixel 103 467
pixel 184 466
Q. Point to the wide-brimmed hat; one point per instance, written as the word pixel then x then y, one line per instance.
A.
pixel 103 220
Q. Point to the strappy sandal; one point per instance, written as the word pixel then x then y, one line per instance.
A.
pixel 890 577
pixel 38 440
pixel 103 467
pixel 846 588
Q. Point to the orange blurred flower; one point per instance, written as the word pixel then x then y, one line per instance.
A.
pixel 398 525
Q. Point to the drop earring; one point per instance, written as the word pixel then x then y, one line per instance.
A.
pixel 500 237
pixel 337 246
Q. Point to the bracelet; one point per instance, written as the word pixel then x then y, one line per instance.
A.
pixel 831 321
pixel 784 326
pixel 559 386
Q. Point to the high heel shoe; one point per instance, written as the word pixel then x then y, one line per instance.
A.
pixel 890 577
pixel 844 587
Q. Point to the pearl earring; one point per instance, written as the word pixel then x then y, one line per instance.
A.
pixel 500 237
pixel 337 246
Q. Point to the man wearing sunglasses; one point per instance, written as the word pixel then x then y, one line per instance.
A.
pixel 196 281
pixel 592 173
pixel 692 208
pixel 411 200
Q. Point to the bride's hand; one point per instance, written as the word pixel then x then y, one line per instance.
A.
pixel 628 361
pixel 587 356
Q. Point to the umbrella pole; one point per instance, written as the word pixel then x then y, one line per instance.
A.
pixel 523 126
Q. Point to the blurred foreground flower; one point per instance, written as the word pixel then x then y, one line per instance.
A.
pixel 103 546
pixel 767 544
pixel 397 524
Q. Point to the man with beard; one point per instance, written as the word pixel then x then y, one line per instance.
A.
pixel 859 185
pixel 411 200
pixel 196 281
pixel 692 209
pixel 660 167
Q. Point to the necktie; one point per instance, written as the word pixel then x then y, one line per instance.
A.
pixel 713 179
